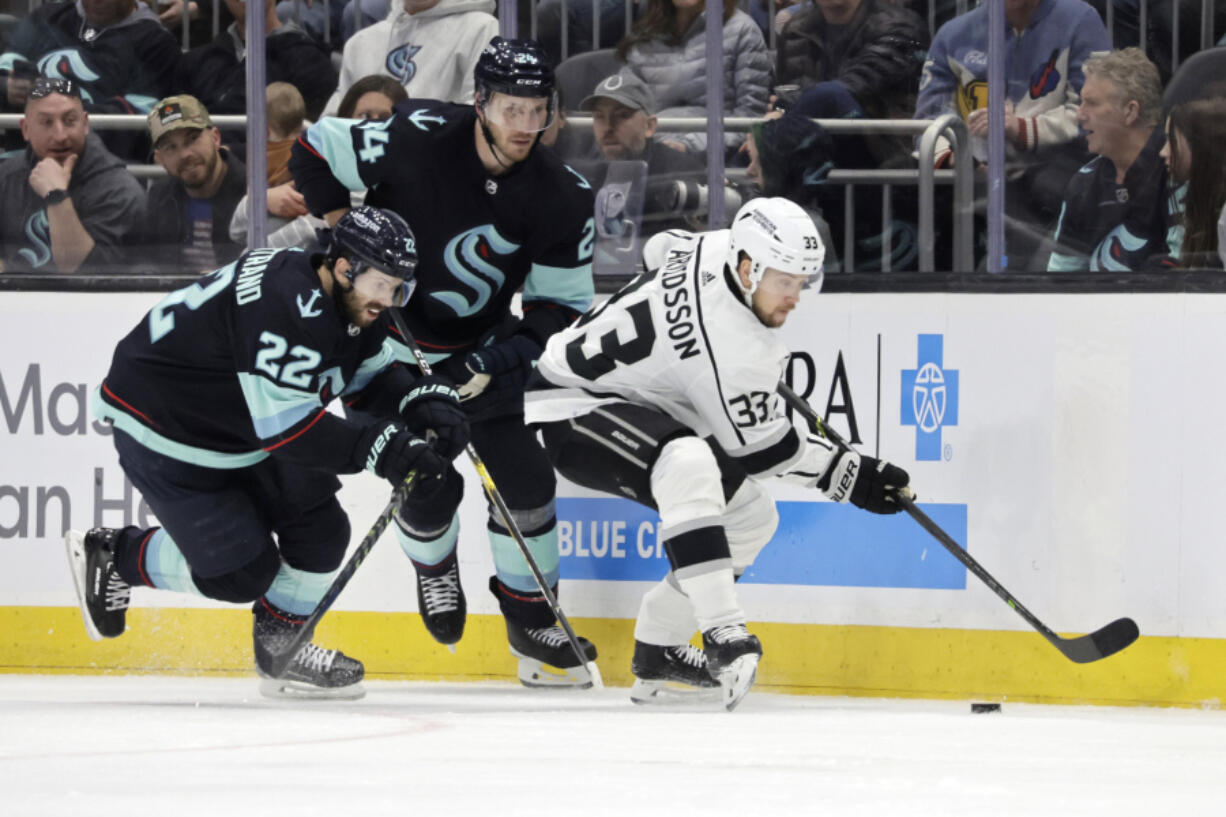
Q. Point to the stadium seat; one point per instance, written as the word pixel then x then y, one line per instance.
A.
pixel 579 75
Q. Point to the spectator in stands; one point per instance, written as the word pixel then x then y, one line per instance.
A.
pixel 580 33
pixel 1114 211
pixel 1221 235
pixel 790 156
pixel 875 49
pixel 371 97
pixel 285 116
pixel 308 16
pixel 667 50
pixel 187 220
pixel 1195 133
pixel 117 53
pixel 289 225
pixel 216 74
pixel 200 18
pixel 429 46
pixel 1047 42
pixel 69 203
pixel 623 127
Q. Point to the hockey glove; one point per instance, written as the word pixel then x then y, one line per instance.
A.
pixel 513 357
pixel 432 410
pixel 393 453
pixel 868 482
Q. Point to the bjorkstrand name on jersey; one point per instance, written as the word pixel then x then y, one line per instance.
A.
pixel 247 289
pixel 676 309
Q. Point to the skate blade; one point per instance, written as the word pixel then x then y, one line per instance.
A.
pixel 283 689
pixel 74 543
pixel 737 678
pixel 539 675
pixel 664 693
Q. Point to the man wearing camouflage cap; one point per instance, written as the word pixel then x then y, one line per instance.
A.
pixel 187 221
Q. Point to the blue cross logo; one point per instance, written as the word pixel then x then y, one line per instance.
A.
pixel 929 397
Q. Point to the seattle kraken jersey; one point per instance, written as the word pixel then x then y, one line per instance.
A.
pixel 122 68
pixel 479 237
pixel 242 364
pixel 680 339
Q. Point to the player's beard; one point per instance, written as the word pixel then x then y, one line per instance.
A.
pixel 356 308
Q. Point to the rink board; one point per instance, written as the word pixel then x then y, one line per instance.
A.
pixel 1070 442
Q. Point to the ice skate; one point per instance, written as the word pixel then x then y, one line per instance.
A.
pixel 546 658
pixel 732 658
pixel 440 599
pixel 313 673
pixel 103 596
pixel 672 674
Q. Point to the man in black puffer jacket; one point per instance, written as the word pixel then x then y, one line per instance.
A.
pixel 875 49
pixel 216 74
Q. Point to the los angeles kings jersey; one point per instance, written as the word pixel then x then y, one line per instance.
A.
pixel 479 237
pixel 242 364
pixel 681 339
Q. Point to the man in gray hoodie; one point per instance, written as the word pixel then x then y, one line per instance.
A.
pixel 68 201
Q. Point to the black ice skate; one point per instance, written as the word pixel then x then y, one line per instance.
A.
pixel 103 596
pixel 732 659
pixel 313 673
pixel 546 658
pixel 672 674
pixel 440 599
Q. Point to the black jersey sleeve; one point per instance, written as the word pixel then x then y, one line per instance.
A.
pixel 559 286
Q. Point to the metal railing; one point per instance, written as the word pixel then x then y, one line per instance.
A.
pixel 925 176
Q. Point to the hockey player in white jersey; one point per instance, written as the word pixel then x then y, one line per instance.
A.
pixel 666 393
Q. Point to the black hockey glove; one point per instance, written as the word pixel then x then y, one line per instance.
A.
pixel 393 453
pixel 432 410
pixel 512 358
pixel 868 482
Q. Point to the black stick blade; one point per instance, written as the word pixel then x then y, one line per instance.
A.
pixel 1099 644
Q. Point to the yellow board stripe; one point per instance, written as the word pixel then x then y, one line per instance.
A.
pixel 894 662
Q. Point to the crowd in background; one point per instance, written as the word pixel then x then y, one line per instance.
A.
pixel 1113 139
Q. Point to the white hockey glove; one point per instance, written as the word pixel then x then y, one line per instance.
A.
pixel 866 482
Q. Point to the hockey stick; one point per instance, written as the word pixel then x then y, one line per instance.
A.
pixel 491 490
pixel 281 658
pixel 1099 644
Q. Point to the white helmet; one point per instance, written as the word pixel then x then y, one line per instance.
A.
pixel 779 234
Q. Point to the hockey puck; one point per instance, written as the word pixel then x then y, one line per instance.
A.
pixel 981 708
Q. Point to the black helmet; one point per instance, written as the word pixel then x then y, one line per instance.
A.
pixel 514 67
pixel 373 238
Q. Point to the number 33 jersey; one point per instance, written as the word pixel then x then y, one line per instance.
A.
pixel 679 339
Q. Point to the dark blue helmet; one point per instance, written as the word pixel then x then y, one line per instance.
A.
pixel 513 67
pixel 373 238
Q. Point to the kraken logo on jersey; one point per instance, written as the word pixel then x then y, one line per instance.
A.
pixel 67 63
pixel 400 63
pixel 38 234
pixel 468 257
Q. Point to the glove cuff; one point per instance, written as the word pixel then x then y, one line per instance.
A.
pixel 839 480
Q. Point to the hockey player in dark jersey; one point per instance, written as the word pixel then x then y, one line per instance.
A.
pixel 665 393
pixel 493 215
pixel 218 400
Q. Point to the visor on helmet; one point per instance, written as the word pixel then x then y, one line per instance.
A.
pixel 388 285
pixel 526 114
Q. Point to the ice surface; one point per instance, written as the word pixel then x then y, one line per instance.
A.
pixel 182 747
